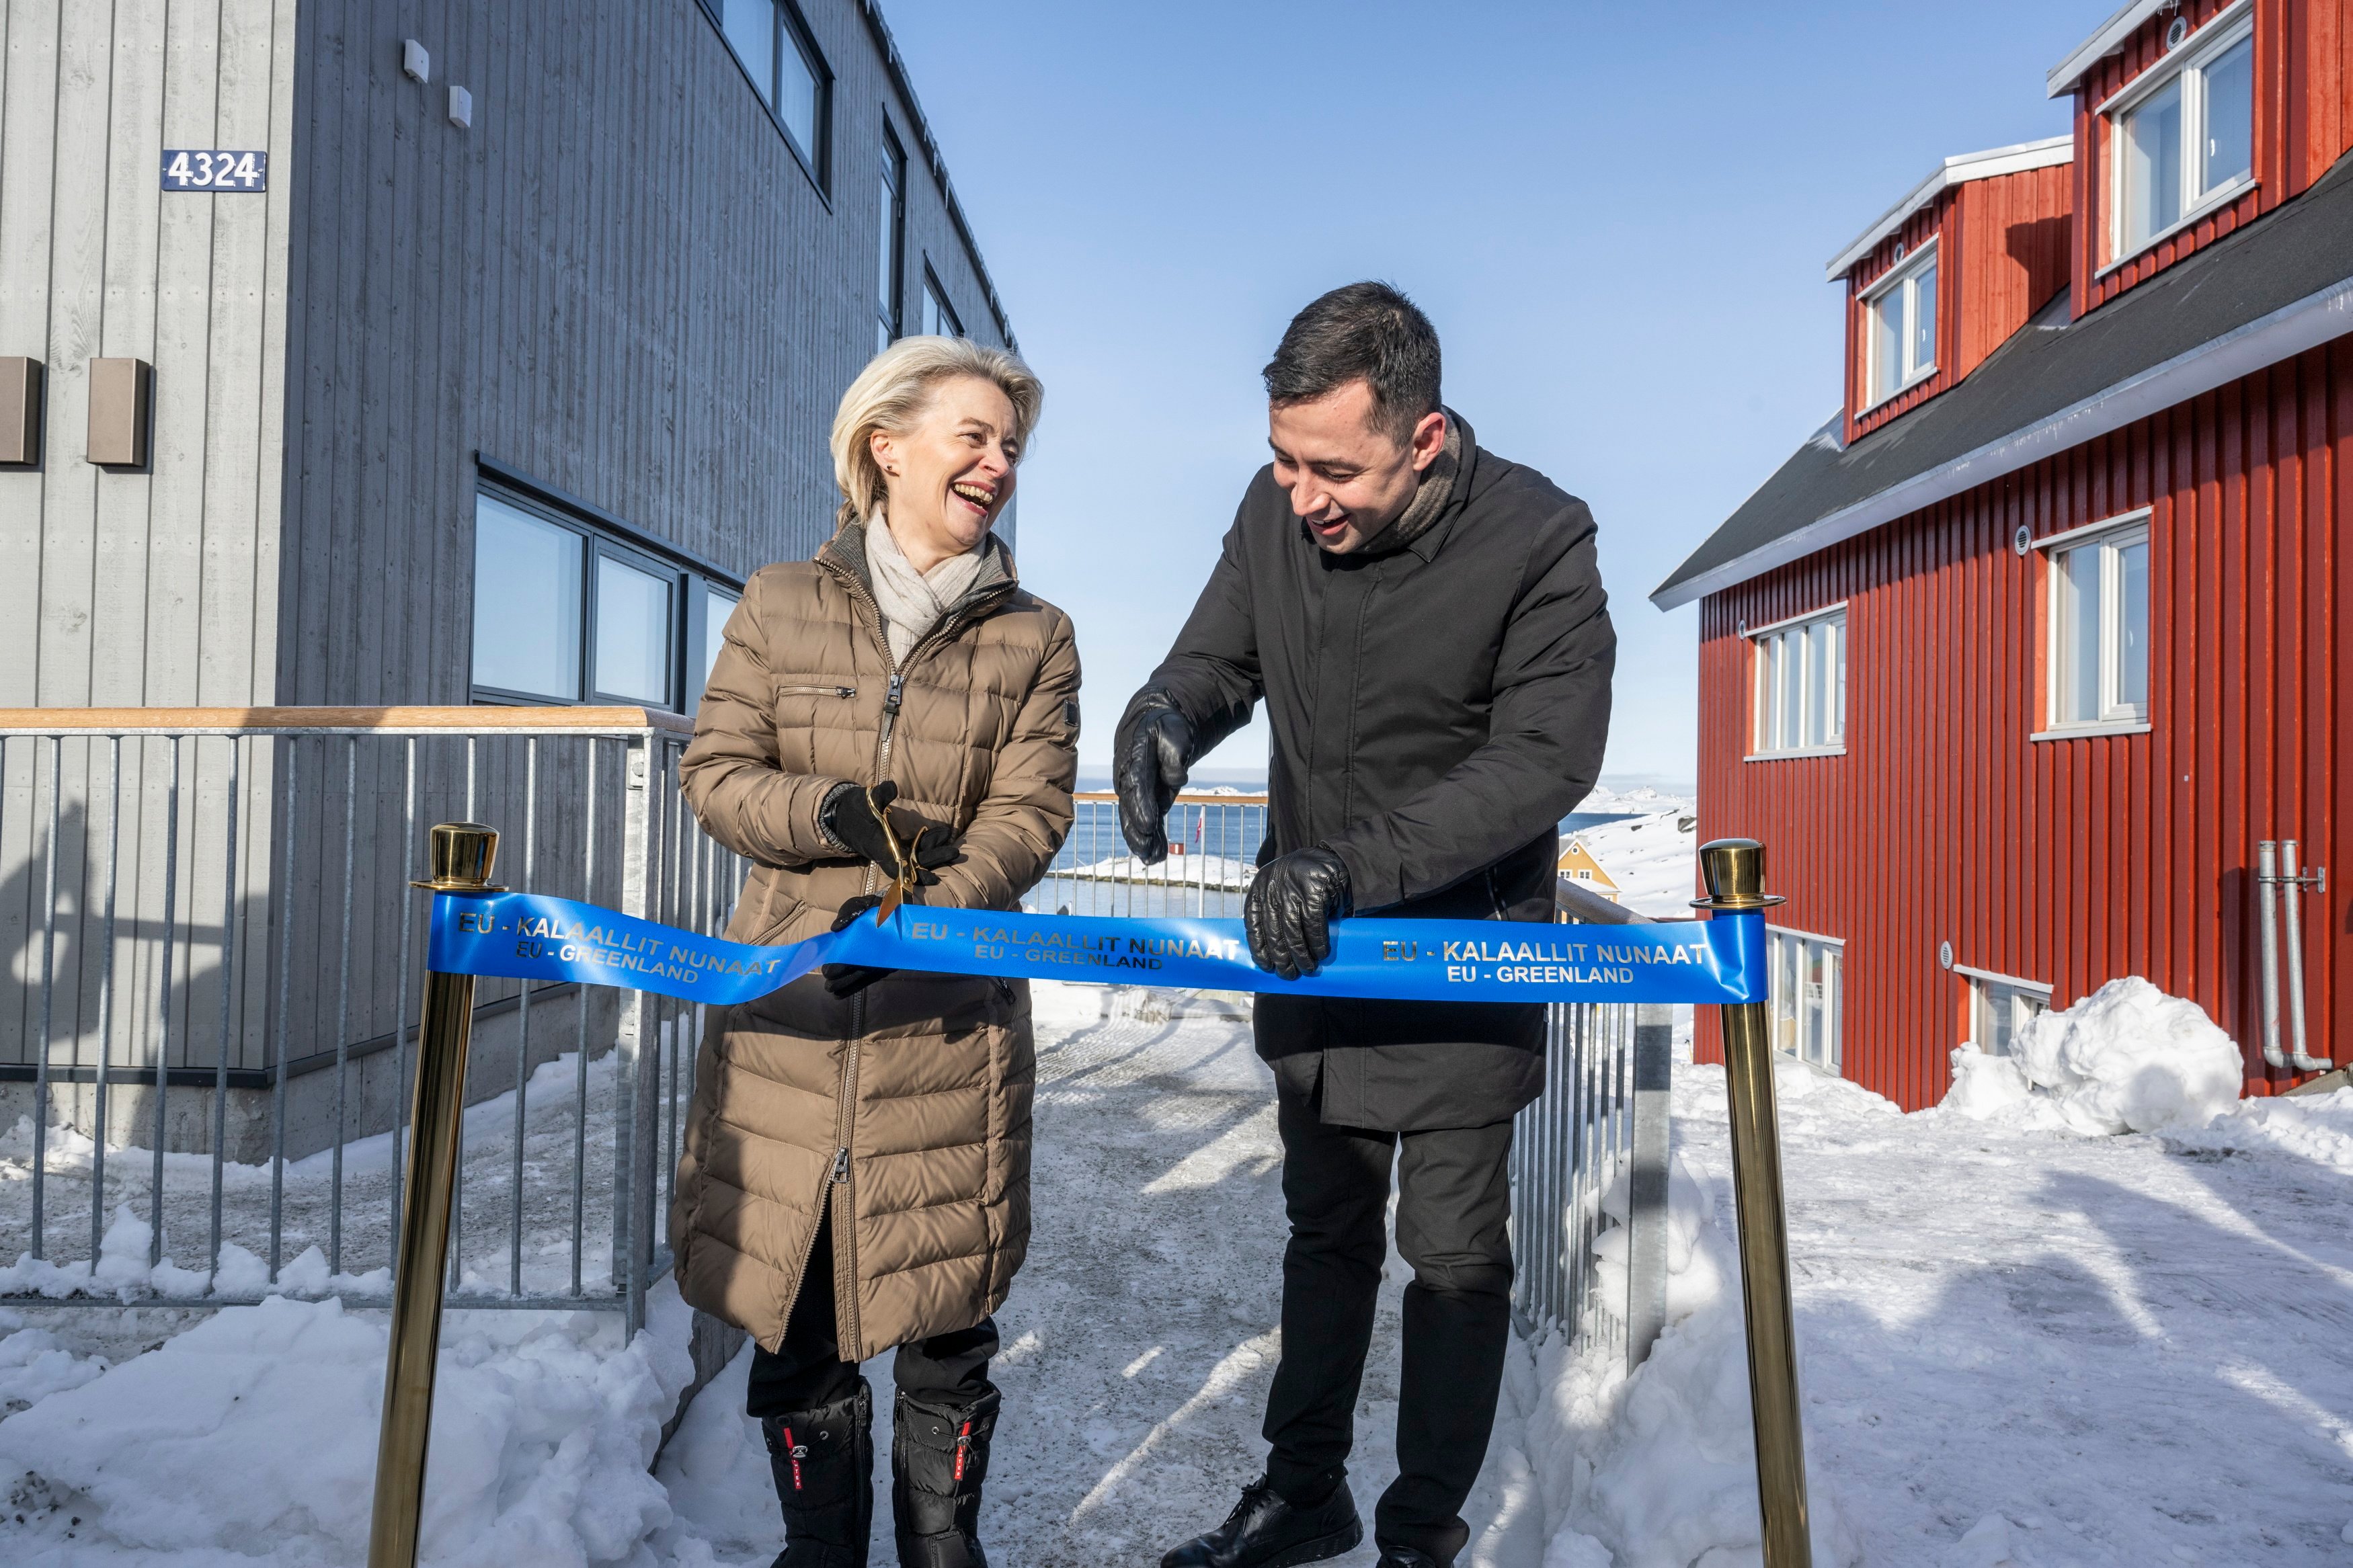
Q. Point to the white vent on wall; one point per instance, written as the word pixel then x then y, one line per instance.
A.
pixel 461 108
pixel 414 63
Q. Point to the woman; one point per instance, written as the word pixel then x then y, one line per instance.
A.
pixel 856 1174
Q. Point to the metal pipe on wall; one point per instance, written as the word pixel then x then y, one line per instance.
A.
pixel 2279 878
pixel 462 853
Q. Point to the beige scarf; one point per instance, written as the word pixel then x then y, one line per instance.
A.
pixel 914 602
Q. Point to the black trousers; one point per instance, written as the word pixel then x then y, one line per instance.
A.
pixel 1453 1197
pixel 808 1370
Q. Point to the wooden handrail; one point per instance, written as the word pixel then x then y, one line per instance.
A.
pixel 191 720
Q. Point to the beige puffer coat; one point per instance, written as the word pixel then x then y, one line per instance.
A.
pixel 906 1108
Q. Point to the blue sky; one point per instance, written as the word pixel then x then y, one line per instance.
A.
pixel 1617 216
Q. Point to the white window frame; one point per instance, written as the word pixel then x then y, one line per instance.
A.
pixel 1764 732
pixel 1982 981
pixel 1905 274
pixel 2115 717
pixel 1790 1008
pixel 2186 65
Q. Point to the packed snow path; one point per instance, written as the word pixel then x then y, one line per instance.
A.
pixel 2020 1345
pixel 1141 1334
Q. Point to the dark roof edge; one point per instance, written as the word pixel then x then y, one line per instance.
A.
pixel 2285 333
pixel 932 158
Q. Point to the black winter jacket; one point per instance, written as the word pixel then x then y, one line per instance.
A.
pixel 1436 709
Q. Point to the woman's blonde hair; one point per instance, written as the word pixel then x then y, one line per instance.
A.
pixel 893 390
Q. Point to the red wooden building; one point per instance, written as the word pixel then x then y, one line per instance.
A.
pixel 2017 662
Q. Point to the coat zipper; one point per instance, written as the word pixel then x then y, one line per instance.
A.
pixel 816 691
pixel 845 1240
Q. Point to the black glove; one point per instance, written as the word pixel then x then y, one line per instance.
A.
pixel 1293 901
pixel 849 978
pixel 848 813
pixel 1147 771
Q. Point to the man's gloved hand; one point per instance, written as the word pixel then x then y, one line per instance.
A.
pixel 848 979
pixel 1293 901
pixel 1149 769
pixel 849 814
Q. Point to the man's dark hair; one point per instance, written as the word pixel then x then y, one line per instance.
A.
pixel 1364 331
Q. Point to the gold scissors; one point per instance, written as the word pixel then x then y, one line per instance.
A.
pixel 903 880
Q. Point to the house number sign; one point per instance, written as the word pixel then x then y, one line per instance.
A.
pixel 215 169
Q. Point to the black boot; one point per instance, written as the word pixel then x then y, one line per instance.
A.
pixel 1407 1557
pixel 1264 1532
pixel 939 1456
pixel 824 1463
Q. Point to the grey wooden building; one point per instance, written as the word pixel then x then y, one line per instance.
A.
pixel 436 354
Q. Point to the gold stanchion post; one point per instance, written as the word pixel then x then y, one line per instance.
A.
pixel 1735 872
pixel 461 855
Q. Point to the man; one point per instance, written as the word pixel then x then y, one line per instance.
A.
pixel 1427 625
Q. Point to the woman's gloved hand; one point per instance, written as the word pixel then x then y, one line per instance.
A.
pixel 844 980
pixel 1293 901
pixel 1149 767
pixel 850 817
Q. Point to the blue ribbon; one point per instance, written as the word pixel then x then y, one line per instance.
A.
pixel 528 936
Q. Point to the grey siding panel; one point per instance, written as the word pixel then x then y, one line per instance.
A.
pixel 619 280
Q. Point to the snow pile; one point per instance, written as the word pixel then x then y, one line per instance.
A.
pixel 2314 1127
pixel 543 1426
pixel 124 1273
pixel 34 1366
pixel 2126 1058
pixel 1659 1469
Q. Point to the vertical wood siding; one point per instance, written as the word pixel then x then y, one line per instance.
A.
pixel 2002 252
pixel 621 280
pixel 2303 123
pixel 155 586
pixel 2071 862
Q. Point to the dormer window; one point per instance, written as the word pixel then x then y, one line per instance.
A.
pixel 1901 311
pixel 2182 136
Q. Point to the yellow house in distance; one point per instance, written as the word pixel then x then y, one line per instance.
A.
pixel 1577 864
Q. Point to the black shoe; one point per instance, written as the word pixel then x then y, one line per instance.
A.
pixel 939 1456
pixel 1264 1532
pixel 1407 1557
pixel 824 1465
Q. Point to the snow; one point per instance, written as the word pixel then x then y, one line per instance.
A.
pixel 1652 858
pixel 2126 1058
pixel 252 1437
pixel 2019 1344
pixel 1231 873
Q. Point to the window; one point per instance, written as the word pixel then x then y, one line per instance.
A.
pixel 567 612
pixel 2099 627
pixel 527 603
pixel 939 316
pixel 895 241
pixel 717 605
pixel 633 630
pixel 2001 1008
pixel 1805 984
pixel 1801 686
pixel 1900 313
pixel 2183 137
pixel 785 70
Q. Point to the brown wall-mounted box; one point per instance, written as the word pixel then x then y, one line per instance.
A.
pixel 122 396
pixel 20 409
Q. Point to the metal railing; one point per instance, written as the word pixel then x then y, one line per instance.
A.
pixel 1213 838
pixel 1604 1112
pixel 208 953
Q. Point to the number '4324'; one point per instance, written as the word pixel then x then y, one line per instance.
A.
pixel 211 169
